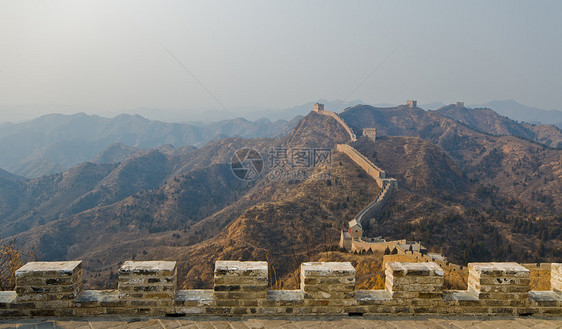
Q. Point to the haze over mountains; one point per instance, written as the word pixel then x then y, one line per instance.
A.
pixel 472 183
pixel 56 142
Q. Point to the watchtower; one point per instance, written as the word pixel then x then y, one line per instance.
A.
pixel 460 105
pixel 318 107
pixel 412 104
pixel 370 133
pixel 355 229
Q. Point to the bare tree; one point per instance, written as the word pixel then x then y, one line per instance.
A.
pixel 12 257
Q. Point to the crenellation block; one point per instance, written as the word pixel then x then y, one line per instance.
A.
pixel 414 280
pixel 240 284
pixel 144 269
pixel 241 289
pixel 499 281
pixel 49 283
pixel 146 287
pixel 328 284
pixel 228 268
pixel 325 269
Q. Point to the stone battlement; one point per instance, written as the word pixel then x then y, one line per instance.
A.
pixel 370 168
pixel 241 288
pixel 379 175
pixel 319 108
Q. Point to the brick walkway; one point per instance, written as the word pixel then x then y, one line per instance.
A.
pixel 293 322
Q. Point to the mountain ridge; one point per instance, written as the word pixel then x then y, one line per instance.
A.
pixel 55 142
pixel 474 195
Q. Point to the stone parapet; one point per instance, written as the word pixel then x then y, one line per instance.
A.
pixel 328 286
pixel 414 280
pixel 336 117
pixel 47 288
pixel 241 288
pixel 499 281
pixel 147 286
pixel 379 175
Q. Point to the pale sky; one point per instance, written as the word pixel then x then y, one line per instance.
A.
pixel 108 56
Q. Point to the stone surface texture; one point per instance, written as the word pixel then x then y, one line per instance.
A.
pixel 322 322
pixel 241 289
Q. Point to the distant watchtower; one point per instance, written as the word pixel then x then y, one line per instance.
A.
pixel 460 105
pixel 370 133
pixel 355 229
pixel 412 104
pixel 318 107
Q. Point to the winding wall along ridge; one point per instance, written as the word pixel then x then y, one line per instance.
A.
pixel 379 175
pixel 341 122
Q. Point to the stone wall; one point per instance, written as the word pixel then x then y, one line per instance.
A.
pixel 241 288
pixel 370 168
pixel 340 121
pixel 540 275
pixel 374 207
pixel 386 184
pixel 360 245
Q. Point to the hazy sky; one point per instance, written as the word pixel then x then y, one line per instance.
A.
pixel 108 56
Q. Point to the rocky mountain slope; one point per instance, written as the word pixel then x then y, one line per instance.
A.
pixel 523 170
pixel 473 195
pixel 488 121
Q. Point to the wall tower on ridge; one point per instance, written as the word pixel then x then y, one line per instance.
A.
pixel 318 107
pixel 370 133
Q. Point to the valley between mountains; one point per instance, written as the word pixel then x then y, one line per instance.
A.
pixel 473 185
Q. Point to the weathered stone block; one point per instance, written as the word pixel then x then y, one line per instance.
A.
pixel 47 269
pixel 545 298
pixel 237 282
pixel 49 282
pixel 194 297
pixel 240 295
pixel 327 284
pixel 147 282
pixel 329 287
pixel 228 268
pixel 148 268
pixel 327 269
pixel 146 287
pixel 327 274
pixel 6 298
pixel 499 281
pixel 499 269
pixel 414 280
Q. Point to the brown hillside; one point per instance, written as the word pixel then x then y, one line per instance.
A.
pixel 184 204
pixel 488 121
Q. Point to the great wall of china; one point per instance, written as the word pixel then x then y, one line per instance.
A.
pixel 241 288
pixel 319 108
pixel 379 175
pixel 327 288
pixel 353 240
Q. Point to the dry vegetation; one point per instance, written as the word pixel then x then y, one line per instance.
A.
pixel 187 206
pixel 12 257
